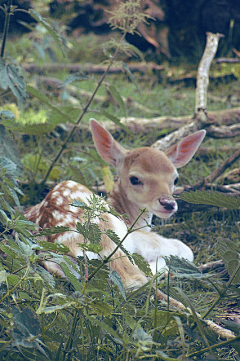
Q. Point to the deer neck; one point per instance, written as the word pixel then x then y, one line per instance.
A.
pixel 119 201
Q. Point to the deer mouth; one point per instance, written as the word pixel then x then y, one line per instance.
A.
pixel 164 213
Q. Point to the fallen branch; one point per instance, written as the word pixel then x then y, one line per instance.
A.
pixel 220 331
pixel 200 119
pixel 53 84
pixel 223 131
pixel 203 77
pixel 226 164
pixel 228 60
pixel 88 68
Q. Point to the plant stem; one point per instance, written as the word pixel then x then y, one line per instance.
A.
pixel 6 25
pixel 221 295
pixel 15 286
pixel 221 344
pixel 70 338
pixel 64 145
pixel 106 260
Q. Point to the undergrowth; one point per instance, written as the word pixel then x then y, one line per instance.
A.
pixel 94 318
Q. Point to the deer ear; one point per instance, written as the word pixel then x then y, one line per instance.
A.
pixel 181 153
pixel 107 147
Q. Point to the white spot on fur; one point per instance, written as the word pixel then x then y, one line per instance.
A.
pixel 70 184
pixel 82 196
pixel 57 215
pixel 57 186
pixel 38 219
pixel 67 219
pixel 59 201
pixel 55 194
pixel 66 192
pixel 118 226
pixel 73 209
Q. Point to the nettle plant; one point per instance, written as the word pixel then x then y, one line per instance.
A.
pixel 88 318
pixel 93 318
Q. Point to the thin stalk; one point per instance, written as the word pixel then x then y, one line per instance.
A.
pixel 221 344
pixel 16 285
pixel 221 295
pixel 106 260
pixel 6 25
pixel 85 241
pixel 64 145
pixel 70 338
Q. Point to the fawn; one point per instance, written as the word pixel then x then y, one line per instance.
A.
pixel 146 179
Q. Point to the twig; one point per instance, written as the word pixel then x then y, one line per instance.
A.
pixel 200 118
pixel 223 131
pixel 210 265
pixel 64 145
pixel 226 164
pixel 54 83
pixel 7 11
pixel 88 68
pixel 203 76
pixel 218 345
pixel 222 332
pixel 228 60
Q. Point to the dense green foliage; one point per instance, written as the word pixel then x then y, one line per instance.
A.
pixel 45 318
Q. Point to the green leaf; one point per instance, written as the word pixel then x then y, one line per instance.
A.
pixel 3 215
pixel 95 248
pixel 142 264
pixel 69 261
pixel 8 164
pixel 54 230
pixel 79 204
pixel 9 151
pixel 196 318
pixel 12 279
pixel 58 114
pixel 117 96
pixel 3 276
pixel 54 247
pixel 47 26
pixel 116 121
pixel 26 319
pixel 73 77
pixel 114 237
pixel 130 74
pixel 101 308
pixel 47 277
pixel 217 199
pixel 71 277
pixel 36 93
pixel 6 249
pixel 52 309
pixel 231 257
pixel 141 336
pixel 6 114
pixel 116 278
pixel 64 114
pixel 10 193
pixel 10 77
pixel 135 50
pixel 103 325
pixel 181 267
pixel 89 231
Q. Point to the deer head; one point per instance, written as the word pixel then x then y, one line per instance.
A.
pixel 147 176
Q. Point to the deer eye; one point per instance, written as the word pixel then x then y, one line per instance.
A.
pixel 176 180
pixel 135 181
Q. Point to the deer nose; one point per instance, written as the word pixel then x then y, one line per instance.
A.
pixel 168 203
